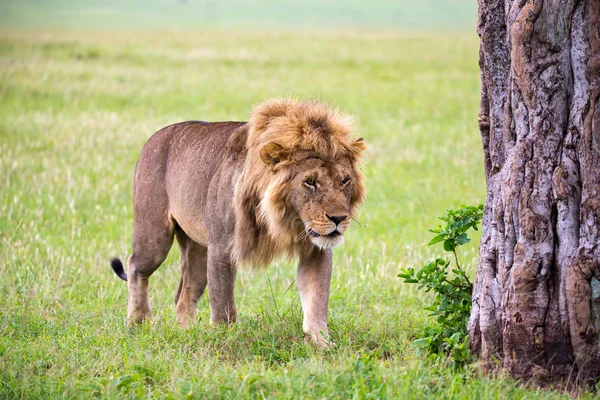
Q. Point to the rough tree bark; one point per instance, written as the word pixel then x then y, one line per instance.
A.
pixel 535 300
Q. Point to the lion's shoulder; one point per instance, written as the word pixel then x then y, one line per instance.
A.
pixel 235 148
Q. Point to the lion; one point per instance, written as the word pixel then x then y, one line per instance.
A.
pixel 285 183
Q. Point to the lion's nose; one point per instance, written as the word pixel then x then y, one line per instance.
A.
pixel 336 219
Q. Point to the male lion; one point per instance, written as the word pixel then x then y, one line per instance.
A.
pixel 284 183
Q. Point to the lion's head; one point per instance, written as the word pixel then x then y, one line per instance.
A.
pixel 301 184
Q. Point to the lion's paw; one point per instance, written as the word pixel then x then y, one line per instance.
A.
pixel 322 341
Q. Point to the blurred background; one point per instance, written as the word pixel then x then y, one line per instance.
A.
pixel 419 15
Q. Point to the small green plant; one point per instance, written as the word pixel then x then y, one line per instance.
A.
pixel 451 286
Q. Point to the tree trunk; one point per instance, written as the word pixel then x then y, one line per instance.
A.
pixel 535 300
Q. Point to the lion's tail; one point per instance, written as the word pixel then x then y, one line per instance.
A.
pixel 117 266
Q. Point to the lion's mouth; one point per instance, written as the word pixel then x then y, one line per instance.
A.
pixel 331 235
pixel 327 241
pixel 313 233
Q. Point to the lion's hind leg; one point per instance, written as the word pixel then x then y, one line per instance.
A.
pixel 193 278
pixel 152 240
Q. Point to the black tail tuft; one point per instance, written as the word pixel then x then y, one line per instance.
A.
pixel 117 266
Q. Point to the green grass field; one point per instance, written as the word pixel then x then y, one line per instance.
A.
pixel 76 106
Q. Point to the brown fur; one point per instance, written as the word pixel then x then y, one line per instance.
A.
pixel 286 182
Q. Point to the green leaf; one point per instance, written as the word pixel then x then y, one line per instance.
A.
pixel 448 245
pixel 436 239
pixel 463 239
pixel 421 342
pixel 454 339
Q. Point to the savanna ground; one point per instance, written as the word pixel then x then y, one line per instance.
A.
pixel 77 105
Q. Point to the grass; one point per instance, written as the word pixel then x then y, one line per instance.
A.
pixel 76 108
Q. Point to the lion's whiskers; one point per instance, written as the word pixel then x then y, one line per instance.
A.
pixel 355 222
pixel 303 235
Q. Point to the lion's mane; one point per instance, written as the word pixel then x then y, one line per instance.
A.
pixel 264 222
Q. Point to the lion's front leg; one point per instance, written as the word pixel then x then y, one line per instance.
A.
pixel 221 285
pixel 314 279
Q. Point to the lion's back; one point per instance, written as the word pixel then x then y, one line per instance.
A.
pixel 181 145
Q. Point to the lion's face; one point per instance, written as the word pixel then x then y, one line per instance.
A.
pixel 316 196
pixel 320 194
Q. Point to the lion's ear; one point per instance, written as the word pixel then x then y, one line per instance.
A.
pixel 273 153
pixel 359 146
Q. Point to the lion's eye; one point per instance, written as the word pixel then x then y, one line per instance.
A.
pixel 311 182
pixel 346 181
